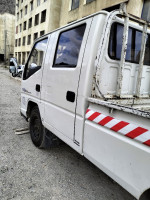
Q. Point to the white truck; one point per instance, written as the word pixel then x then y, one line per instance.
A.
pixel 88 83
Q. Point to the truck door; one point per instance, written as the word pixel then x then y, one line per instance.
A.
pixel 31 83
pixel 61 78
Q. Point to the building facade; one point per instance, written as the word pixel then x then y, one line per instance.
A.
pixel 34 18
pixel 37 17
pixel 72 10
pixel 7 27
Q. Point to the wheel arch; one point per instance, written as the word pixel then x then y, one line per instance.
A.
pixel 145 195
pixel 30 106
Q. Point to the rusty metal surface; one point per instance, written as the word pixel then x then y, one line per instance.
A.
pixel 96 93
pixel 123 56
pixel 142 54
pixel 127 109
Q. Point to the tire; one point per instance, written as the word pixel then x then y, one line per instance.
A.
pixel 36 127
pixel 40 136
pixel 13 75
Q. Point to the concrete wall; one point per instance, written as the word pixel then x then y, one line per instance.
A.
pixel 68 15
pixel 135 7
pixel 7 26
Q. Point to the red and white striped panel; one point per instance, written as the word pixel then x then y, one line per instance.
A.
pixel 132 131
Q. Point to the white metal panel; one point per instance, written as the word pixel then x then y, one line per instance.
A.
pixel 109 77
pixel 145 82
pixel 60 113
pixel 129 79
pixel 87 71
pixel 126 161
pixel 28 88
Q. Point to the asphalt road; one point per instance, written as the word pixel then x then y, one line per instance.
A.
pixel 28 173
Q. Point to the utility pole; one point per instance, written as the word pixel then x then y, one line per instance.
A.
pixel 5 39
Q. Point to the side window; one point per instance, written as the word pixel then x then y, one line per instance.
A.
pixel 68 47
pixel 133 45
pixel 35 60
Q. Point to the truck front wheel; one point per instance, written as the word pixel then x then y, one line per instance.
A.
pixel 36 127
pixel 40 136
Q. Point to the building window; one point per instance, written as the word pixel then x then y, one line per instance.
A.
pixel 19 42
pixel 30 23
pixel 20 27
pixel 26 10
pixel 29 39
pixel 28 52
pixel 42 33
pixel 43 16
pixel 31 5
pixel 45 0
pixel 38 2
pixel 88 1
pixel 36 22
pixel 19 58
pixel 20 13
pixel 24 25
pixel 146 10
pixel 68 47
pixel 23 58
pixel 35 36
pixel 24 41
pixel 75 4
pixel 21 1
pixel 16 29
pixel 16 42
pixel 17 16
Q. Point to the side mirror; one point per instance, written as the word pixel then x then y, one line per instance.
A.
pixel 12 69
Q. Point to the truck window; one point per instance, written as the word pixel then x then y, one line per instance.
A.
pixel 147 51
pixel 68 47
pixel 133 45
pixel 35 60
pixel 115 41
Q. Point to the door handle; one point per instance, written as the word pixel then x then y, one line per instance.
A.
pixel 70 96
pixel 37 87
